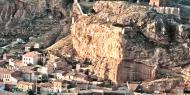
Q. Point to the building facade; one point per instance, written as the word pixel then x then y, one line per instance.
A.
pixel 31 58
pixel 6 76
pixel 158 3
pixel 53 86
pixel 25 86
pixel 135 71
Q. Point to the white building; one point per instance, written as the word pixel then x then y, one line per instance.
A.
pixel 53 86
pixel 43 70
pixel 77 67
pixel 7 56
pixel 36 45
pixel 27 49
pixel 11 63
pixel 31 58
pixel 6 77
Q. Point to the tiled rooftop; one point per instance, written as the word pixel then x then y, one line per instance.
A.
pixel 5 71
pixel 25 83
pixel 31 54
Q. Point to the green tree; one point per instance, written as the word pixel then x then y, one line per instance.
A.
pixel 14 89
pixel 30 92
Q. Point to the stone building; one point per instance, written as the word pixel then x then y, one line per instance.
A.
pixel 53 86
pixel 57 85
pixel 45 87
pixel 60 65
pixel 6 77
pixel 31 58
pixel 158 2
pixel 58 74
pixel 7 56
pixel 135 71
pixel 169 10
pixel 25 86
pixel 80 77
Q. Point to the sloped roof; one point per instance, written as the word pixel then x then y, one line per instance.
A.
pixel 31 54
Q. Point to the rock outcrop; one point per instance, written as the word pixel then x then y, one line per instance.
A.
pixel 63 47
pixel 129 42
pixel 38 19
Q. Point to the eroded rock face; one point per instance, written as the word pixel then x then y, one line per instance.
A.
pixel 118 36
pixel 36 19
pixel 95 36
pixel 98 36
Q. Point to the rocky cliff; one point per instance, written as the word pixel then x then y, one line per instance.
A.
pixel 117 36
pixel 34 19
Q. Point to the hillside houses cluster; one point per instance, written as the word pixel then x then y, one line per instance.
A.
pixel 37 71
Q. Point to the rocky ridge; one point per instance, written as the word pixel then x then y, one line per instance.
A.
pixel 119 33
pixel 34 19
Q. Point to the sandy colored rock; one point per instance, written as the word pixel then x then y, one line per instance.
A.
pixel 120 38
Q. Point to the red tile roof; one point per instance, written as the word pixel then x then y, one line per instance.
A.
pixel 5 71
pixel 25 83
pixel 19 63
pixel 31 54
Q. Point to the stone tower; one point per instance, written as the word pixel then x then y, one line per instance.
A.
pixel 158 3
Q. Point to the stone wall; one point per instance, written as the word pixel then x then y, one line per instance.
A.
pixel 134 71
pixel 169 10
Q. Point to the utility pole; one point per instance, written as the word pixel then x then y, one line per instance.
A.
pixel 36 86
